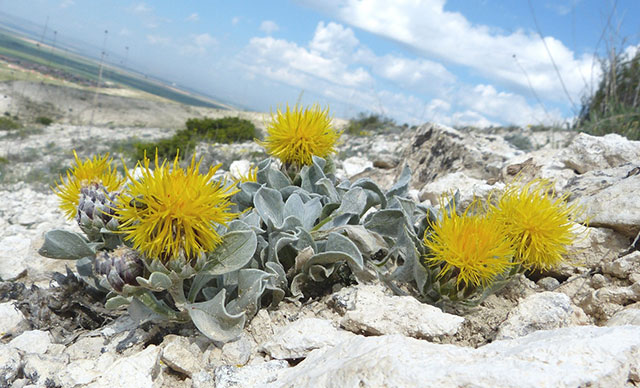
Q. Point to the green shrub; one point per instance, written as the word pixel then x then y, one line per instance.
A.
pixel 224 130
pixel 367 123
pixel 615 106
pixel 44 120
pixel 7 123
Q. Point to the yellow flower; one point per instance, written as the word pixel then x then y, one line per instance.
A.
pixel 472 246
pixel 170 210
pixel 296 135
pixel 92 171
pixel 251 176
pixel 539 223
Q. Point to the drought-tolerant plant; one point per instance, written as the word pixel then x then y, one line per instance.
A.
pixel 44 120
pixel 224 130
pixel 615 106
pixel 182 245
pixel 365 124
pixel 7 123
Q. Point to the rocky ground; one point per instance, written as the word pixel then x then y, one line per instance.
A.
pixel 576 326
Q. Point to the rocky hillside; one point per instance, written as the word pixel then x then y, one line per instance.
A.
pixel 572 327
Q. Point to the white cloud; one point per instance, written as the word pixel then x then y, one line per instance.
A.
pixel 198 44
pixel 336 65
pixel 158 40
pixel 66 3
pixel 140 8
pixel 425 26
pixel 269 27
pixel 124 31
pixel 194 17
pixel 235 20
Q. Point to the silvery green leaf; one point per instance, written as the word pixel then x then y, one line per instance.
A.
pixel 269 205
pixel 375 195
pixel 251 218
pixel 263 170
pixel 84 267
pixel 60 244
pixel 369 243
pixel 353 202
pixel 160 281
pixel 245 196
pixel 307 213
pixel 411 268
pixel 251 284
pixel 310 175
pixel 276 179
pixel 155 265
pixel 341 220
pixel 294 206
pixel 319 162
pixel 332 257
pixel 237 225
pixel 297 283
pixel 401 187
pixel 117 301
pixel 325 187
pixel 386 222
pixel 199 281
pixel 301 259
pixel 318 273
pixel 214 321
pixel 235 252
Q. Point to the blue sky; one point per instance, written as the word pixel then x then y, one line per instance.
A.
pixel 456 62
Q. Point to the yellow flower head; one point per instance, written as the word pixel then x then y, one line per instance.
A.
pixel 251 176
pixel 169 210
pixel 472 247
pixel 92 171
pixel 296 135
pixel 539 223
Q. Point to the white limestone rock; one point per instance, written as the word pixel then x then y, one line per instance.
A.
pixel 587 153
pixel 628 316
pixel 568 357
pixel 238 351
pixel 141 370
pixel 32 341
pixel 10 363
pixel 39 368
pixel 13 250
pixel 239 169
pixel 181 355
pixel 367 309
pixel 624 266
pixel 467 186
pixel 591 249
pixel 300 337
pixel 615 206
pixel 258 375
pixel 542 311
pixel 355 165
pixel 12 321
pixel 86 348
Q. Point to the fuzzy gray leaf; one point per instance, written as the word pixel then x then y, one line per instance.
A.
pixel 269 205
pixel 60 244
pixel 235 252
pixel 213 319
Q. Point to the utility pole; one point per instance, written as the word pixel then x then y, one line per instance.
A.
pixel 102 55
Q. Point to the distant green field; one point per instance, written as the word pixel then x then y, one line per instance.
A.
pixel 17 48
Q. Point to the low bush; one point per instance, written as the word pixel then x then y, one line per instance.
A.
pixel 367 123
pixel 7 123
pixel 44 120
pixel 224 130
pixel 615 106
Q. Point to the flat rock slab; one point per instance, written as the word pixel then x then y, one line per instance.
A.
pixel 568 357
pixel 370 311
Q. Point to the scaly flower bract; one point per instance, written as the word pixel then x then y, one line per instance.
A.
pixel 472 247
pixel 539 223
pixel 169 210
pixel 92 171
pixel 295 135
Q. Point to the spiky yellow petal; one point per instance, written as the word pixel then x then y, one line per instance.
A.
pixel 169 210
pixel 471 246
pixel 540 224
pixel 297 134
pixel 98 170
